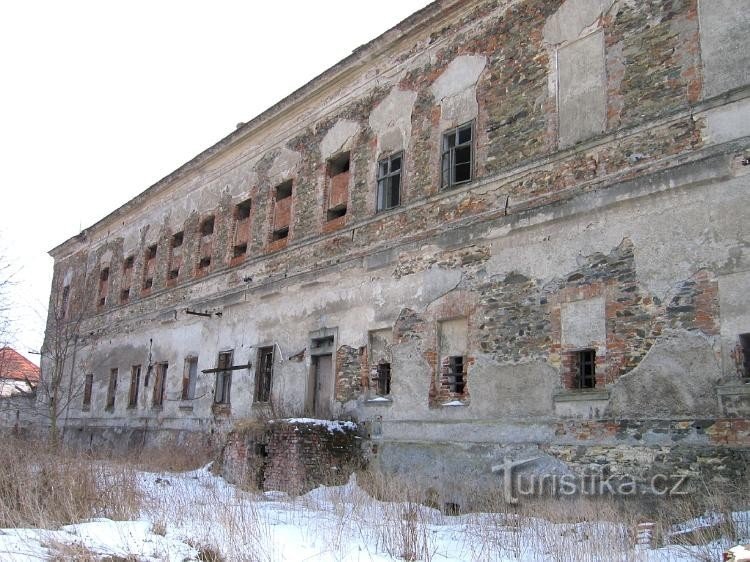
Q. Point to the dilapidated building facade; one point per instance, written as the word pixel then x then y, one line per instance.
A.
pixel 501 227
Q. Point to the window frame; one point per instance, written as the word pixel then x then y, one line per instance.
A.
pixel 585 358
pixel 88 388
pixel 224 377
pixel 264 374
pixel 112 389
pixel 384 181
pixel 160 384
pixel 135 383
pixel 189 377
pixel 449 153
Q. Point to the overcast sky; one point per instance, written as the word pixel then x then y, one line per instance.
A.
pixel 99 100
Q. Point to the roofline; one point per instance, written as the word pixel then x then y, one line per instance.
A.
pixel 360 55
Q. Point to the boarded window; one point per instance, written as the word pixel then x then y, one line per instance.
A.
pixel 189 377
pixel 458 155
pixel 135 383
pixel 112 389
pixel 222 393
pixel 264 375
pixel 160 384
pixel 88 385
pixel 389 182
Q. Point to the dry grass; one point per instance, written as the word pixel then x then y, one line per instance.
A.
pixel 44 488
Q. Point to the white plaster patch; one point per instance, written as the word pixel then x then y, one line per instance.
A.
pixel 734 305
pixel 462 73
pixel 573 19
pixel 728 122
pixel 338 138
pixel 284 165
pixel 391 120
pixel 459 109
pixel 583 323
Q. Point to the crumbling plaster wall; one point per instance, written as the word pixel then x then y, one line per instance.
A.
pixel 639 213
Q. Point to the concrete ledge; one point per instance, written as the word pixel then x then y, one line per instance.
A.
pixel 580 395
pixel 734 390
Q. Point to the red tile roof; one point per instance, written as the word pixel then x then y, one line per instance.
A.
pixel 15 366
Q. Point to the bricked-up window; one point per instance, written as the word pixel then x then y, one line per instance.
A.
pixel 455 371
pixel 149 266
pixel 103 286
pixel 135 383
pixel 222 393
pixel 112 389
pixel 88 386
pixel 241 228
pixel 264 375
pixel 338 185
pixel 585 369
pixel 189 376
pixel 458 155
pixel 745 349
pixel 159 384
pixel 383 378
pixel 389 182
pixel 127 279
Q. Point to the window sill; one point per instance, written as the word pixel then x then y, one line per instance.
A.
pixel 379 401
pixel 580 395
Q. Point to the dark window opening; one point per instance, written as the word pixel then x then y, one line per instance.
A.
pixel 151 252
pixel 104 275
pixel 127 265
pixel 178 239
pixel 280 234
pixel 745 347
pixel 135 382
pixel 242 210
pixel 284 190
pixel 457 156
pixel 264 375
pixel 148 283
pixel 189 377
pixel 205 263
pixel 207 226
pixel 222 393
pixel 173 273
pixel 585 374
pixel 124 296
pixel 339 164
pixel 389 182
pixel 452 509
pixel 102 301
pixel 88 386
pixel 112 389
pixel 159 384
pixel 336 213
pixel 383 378
pixel 456 374
pixel 239 250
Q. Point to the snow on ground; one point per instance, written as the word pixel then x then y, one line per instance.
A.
pixel 187 513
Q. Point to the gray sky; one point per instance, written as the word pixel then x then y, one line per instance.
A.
pixel 99 100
